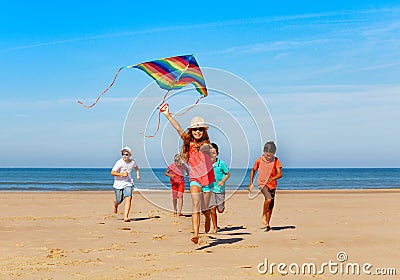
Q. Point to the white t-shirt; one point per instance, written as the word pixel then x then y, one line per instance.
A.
pixel 121 166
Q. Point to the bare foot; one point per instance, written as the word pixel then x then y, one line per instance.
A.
pixel 115 210
pixel 127 220
pixel 215 230
pixel 195 239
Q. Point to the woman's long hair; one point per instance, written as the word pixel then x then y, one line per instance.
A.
pixel 188 138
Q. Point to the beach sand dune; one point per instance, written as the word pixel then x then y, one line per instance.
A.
pixel 75 235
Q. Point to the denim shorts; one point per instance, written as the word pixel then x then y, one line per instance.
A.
pixel 120 194
pixel 206 188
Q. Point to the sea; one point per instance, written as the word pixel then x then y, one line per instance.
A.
pixel 100 179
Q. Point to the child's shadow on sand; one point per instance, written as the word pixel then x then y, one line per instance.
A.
pixel 231 228
pixel 186 215
pixel 283 228
pixel 140 219
pixel 227 230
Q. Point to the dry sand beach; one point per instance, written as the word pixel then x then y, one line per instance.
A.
pixel 75 235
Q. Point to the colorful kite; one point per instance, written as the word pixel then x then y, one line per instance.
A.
pixel 170 73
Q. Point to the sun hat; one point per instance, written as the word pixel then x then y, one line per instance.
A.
pixel 198 122
pixel 127 149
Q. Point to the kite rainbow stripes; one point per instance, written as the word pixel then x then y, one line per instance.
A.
pixel 175 73
pixel 170 73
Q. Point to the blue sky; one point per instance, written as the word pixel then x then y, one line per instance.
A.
pixel 328 73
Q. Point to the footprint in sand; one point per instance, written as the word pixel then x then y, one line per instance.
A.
pixel 152 216
pixel 125 228
pixel 318 242
pixel 86 250
pixel 184 252
pixel 108 217
pixel 202 242
pixel 114 246
pixel 159 237
pixel 55 253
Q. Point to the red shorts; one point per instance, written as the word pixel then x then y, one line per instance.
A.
pixel 178 189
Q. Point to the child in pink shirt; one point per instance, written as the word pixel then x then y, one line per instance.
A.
pixel 175 172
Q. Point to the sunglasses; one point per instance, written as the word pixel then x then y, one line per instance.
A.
pixel 201 129
pixel 127 155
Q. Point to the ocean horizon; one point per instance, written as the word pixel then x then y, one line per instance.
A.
pixel 100 179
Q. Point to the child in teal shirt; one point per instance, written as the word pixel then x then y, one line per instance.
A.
pixel 217 200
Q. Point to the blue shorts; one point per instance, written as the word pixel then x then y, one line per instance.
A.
pixel 206 188
pixel 120 194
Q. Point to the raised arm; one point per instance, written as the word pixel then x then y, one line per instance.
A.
pixel 174 123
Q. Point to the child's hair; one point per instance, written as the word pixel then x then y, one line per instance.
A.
pixel 177 158
pixel 270 147
pixel 215 146
pixel 188 138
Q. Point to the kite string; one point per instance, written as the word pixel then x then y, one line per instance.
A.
pixel 173 114
pixel 104 91
pixel 159 118
pixel 162 102
pixel 188 109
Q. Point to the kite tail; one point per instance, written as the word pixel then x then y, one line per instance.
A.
pixel 159 117
pixel 98 98
pixel 158 127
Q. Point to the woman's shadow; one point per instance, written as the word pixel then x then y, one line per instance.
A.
pixel 226 231
pixel 217 241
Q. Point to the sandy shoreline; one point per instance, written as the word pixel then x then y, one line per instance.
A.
pixel 75 235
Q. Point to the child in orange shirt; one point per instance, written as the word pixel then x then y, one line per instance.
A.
pixel 269 171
